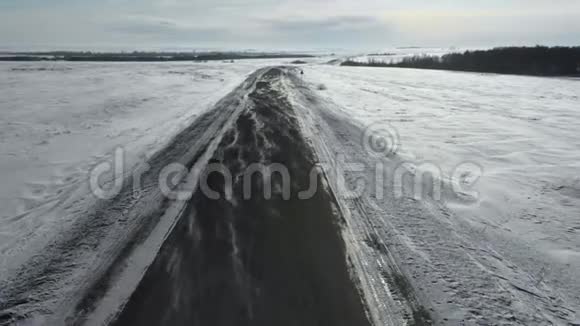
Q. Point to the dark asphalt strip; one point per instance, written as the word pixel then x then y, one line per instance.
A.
pixel 254 261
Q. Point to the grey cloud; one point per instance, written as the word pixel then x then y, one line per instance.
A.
pixel 333 23
pixel 168 30
pixel 343 30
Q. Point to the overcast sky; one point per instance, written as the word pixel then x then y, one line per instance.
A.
pixel 286 24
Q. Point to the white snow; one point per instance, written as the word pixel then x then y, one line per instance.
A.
pixel 512 254
pixel 57 120
pixel 524 228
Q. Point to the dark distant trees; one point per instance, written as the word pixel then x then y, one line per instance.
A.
pixel 538 61
pixel 137 56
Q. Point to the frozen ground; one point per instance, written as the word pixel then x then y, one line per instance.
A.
pixel 505 251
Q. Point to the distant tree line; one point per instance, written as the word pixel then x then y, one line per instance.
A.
pixel 143 56
pixel 538 61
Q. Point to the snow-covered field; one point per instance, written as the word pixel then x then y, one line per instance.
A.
pixel 57 120
pixel 520 134
pixel 393 55
pixel 509 254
